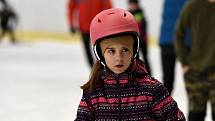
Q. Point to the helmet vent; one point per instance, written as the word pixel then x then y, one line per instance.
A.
pixel 124 14
pixel 110 13
pixel 99 21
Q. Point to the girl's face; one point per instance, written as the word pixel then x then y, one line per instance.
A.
pixel 117 52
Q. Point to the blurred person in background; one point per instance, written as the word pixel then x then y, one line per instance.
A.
pixel 137 11
pixel 171 11
pixel 8 22
pixel 3 2
pixel 198 63
pixel 80 13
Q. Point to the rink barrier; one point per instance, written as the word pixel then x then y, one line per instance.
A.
pixel 58 37
pixel 47 36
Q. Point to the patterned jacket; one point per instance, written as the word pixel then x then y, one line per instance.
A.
pixel 132 95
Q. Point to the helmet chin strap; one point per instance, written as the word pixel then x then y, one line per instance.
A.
pixel 138 41
pixel 97 55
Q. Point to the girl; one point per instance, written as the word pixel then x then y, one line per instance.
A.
pixel 120 87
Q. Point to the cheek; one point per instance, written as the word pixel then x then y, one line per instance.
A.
pixel 128 56
pixel 128 59
pixel 108 59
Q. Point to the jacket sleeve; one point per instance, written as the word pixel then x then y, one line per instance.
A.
pixel 183 24
pixel 164 107
pixel 85 110
pixel 107 4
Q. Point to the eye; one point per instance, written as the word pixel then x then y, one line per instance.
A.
pixel 125 50
pixel 111 51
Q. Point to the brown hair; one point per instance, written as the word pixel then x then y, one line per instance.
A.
pixel 94 77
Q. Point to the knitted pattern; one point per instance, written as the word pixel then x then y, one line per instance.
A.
pixel 130 96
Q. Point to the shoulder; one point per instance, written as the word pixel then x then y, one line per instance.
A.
pixel 149 80
pixel 150 83
pixel 192 4
pixel 152 87
pixel 190 7
pixel 139 68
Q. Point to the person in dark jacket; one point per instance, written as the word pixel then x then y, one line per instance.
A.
pixel 8 21
pixel 3 2
pixel 80 13
pixel 171 11
pixel 135 9
pixel 120 88
pixel 198 63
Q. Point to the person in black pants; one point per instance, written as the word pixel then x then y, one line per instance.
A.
pixel 87 47
pixel 3 2
pixel 168 58
pixel 8 22
pixel 137 11
pixel 80 13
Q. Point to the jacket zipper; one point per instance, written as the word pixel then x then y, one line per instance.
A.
pixel 119 98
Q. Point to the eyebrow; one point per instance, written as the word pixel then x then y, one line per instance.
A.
pixel 114 48
pixel 110 48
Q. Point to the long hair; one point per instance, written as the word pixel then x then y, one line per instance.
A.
pixel 94 77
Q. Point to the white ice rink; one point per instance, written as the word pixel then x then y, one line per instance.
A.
pixel 39 81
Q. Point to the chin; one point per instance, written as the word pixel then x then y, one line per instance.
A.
pixel 119 72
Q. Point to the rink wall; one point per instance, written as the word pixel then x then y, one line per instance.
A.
pixel 57 37
pixel 47 19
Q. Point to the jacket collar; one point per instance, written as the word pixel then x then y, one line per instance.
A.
pixel 136 69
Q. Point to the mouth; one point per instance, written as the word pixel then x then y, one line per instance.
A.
pixel 119 66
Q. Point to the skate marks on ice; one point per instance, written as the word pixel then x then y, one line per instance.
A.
pixel 40 81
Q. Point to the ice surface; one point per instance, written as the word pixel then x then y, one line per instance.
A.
pixel 40 81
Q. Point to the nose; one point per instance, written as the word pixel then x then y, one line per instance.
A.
pixel 119 56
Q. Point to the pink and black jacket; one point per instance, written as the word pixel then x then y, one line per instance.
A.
pixel 132 95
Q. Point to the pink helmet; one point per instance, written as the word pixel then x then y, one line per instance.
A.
pixel 113 22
